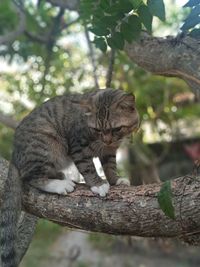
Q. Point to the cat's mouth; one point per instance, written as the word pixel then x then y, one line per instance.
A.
pixel 113 144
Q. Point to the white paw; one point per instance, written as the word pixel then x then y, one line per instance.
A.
pixel 72 173
pixel 123 181
pixel 101 190
pixel 61 187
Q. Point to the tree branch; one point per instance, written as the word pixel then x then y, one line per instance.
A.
pixel 53 33
pixel 11 36
pixel 92 58
pixel 27 221
pixel 125 211
pixel 168 57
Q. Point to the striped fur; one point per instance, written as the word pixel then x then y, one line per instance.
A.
pixel 69 128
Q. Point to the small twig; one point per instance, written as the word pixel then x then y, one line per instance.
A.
pixel 36 38
pixel 110 69
pixel 49 45
pixel 67 25
pixel 91 54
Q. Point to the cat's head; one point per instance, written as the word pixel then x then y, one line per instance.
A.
pixel 111 115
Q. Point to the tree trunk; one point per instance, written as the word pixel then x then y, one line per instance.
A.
pixel 27 222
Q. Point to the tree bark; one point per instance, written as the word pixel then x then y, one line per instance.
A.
pixel 171 56
pixel 27 222
pixel 125 211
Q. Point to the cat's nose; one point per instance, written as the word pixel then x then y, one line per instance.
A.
pixel 107 139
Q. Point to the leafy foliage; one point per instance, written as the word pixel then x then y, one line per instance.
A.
pixel 165 200
pixel 120 20
pixel 6 10
pixel 157 8
pixel 192 21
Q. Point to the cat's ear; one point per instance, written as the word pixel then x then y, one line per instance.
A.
pixel 85 105
pixel 127 101
pixel 129 97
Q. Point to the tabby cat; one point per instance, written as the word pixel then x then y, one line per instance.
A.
pixel 66 129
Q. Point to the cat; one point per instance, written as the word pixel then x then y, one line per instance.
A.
pixel 66 129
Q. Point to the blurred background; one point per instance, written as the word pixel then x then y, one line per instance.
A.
pixel 35 68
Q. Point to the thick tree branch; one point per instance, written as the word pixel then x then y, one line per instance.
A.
pixel 11 36
pixel 126 210
pixel 168 57
pixel 27 222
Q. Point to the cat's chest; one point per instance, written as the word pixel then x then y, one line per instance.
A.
pixel 94 149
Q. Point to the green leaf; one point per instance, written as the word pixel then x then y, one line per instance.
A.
pixel 195 33
pixel 100 43
pixel 165 200
pixel 126 31
pixel 100 31
pixel 190 23
pixel 192 3
pixel 120 7
pixel 131 30
pixel 109 21
pixel 8 17
pixel 145 17
pixel 135 25
pixel 104 4
pixel 116 41
pixel 157 8
pixel 136 3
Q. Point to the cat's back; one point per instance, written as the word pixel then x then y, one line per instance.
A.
pixel 54 115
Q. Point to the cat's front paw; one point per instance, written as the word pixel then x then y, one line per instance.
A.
pixel 101 190
pixel 123 181
pixel 61 187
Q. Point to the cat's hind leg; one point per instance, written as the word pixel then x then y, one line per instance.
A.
pixel 57 184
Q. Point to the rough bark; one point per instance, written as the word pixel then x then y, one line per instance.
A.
pixel 170 56
pixel 125 211
pixel 27 221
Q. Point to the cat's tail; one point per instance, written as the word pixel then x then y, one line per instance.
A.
pixel 9 214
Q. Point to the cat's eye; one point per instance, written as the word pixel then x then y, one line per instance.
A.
pixel 96 130
pixel 117 129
